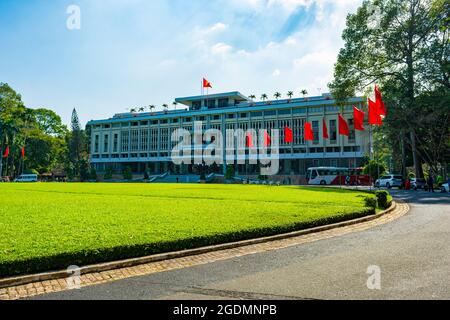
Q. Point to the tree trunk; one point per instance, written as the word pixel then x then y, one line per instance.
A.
pixel 402 144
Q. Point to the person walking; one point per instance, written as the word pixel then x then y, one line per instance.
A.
pixel 430 183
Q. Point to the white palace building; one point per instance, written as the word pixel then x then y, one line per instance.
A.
pixel 143 141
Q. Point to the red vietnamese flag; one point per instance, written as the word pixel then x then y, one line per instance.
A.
pixel 267 139
pixel 358 116
pixel 249 140
pixel 379 101
pixel 23 152
pixel 6 154
pixel 206 84
pixel 325 129
pixel 374 115
pixel 309 133
pixel 343 126
pixel 288 135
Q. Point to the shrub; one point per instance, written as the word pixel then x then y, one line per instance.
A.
pixel 383 199
pixel 127 173
pixel 370 202
pixel 108 173
pixel 146 176
pixel 93 174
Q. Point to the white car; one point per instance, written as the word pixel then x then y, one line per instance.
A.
pixel 389 181
pixel 27 178
pixel 445 188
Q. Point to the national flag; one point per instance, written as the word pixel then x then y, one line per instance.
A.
pixel 309 133
pixel 288 135
pixel 325 129
pixel 23 152
pixel 6 154
pixel 379 101
pixel 374 115
pixel 358 116
pixel 249 140
pixel 267 139
pixel 343 126
pixel 206 84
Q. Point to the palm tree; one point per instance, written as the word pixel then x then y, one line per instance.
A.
pixel 165 107
pixel 133 110
pixel 277 95
pixel 175 105
pixel 290 94
pixel 252 96
pixel 141 109
pixel 264 97
pixel 304 93
pixel 151 107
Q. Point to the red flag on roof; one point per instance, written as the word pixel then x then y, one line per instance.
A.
pixel 288 135
pixel 374 115
pixel 206 84
pixel 358 116
pixel 309 133
pixel 379 101
pixel 325 129
pixel 6 154
pixel 343 126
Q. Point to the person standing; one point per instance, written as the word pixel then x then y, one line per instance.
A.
pixel 430 183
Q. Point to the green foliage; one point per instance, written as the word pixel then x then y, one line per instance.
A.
pixel 127 173
pixel 403 47
pixel 370 202
pixel 91 223
pixel 383 199
pixel 108 173
pixel 84 170
pixel 146 176
pixel 375 169
pixel 93 175
pixel 230 172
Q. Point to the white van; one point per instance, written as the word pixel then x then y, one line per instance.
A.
pixel 27 178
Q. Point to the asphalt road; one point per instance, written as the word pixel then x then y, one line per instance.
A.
pixel 412 254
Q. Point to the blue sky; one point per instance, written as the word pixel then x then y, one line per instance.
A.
pixel 131 53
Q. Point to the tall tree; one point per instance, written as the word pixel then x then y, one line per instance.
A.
pixel 77 151
pixel 391 42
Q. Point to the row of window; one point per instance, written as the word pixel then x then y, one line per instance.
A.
pixel 241 115
pixel 147 139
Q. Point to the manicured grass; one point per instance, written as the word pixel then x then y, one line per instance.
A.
pixel 51 226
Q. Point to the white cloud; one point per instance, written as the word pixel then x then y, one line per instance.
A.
pixel 221 48
pixel 276 73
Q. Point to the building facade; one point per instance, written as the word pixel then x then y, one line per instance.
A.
pixel 143 141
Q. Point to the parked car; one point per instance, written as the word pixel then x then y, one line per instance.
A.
pixel 390 181
pixel 418 184
pixel 445 188
pixel 27 178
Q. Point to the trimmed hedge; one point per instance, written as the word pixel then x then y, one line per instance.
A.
pixel 383 199
pixel 86 257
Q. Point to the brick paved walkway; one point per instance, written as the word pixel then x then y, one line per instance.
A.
pixel 43 287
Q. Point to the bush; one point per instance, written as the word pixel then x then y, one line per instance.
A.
pixel 146 176
pixel 108 173
pixel 383 199
pixel 230 172
pixel 373 168
pixel 93 174
pixel 370 202
pixel 127 173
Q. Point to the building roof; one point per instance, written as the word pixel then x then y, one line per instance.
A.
pixel 233 95
pixel 244 105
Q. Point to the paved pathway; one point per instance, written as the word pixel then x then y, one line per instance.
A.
pixel 412 253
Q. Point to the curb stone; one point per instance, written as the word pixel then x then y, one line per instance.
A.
pixel 63 274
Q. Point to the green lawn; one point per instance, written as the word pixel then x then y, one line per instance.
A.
pixel 51 226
